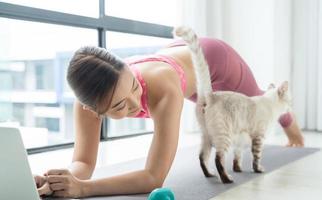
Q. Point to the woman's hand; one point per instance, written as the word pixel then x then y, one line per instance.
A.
pixel 64 184
pixel 42 185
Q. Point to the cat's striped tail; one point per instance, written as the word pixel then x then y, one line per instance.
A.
pixel 200 64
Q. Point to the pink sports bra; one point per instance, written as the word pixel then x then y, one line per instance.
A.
pixel 162 58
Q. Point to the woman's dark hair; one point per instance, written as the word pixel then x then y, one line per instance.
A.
pixel 93 73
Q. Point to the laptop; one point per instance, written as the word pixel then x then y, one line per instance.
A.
pixel 16 179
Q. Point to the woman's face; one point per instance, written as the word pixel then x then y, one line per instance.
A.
pixel 126 100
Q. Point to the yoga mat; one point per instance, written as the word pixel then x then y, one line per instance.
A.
pixel 187 181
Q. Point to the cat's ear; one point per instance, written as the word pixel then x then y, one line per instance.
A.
pixel 282 90
pixel 271 86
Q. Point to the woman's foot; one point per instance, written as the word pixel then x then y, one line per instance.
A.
pixel 294 134
pixel 295 141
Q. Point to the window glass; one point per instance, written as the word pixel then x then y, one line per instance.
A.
pixel 88 8
pixel 34 94
pixel 126 45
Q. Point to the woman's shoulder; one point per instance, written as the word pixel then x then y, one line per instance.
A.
pixel 163 86
pixel 161 82
pixel 161 75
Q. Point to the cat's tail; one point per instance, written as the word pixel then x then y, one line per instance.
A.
pixel 200 64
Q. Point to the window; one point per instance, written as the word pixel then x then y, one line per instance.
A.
pixel 134 44
pixel 164 12
pixel 37 41
pixel 80 7
pixel 52 124
pixel 33 70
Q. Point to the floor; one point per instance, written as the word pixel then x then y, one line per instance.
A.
pixel 301 179
pixel 296 180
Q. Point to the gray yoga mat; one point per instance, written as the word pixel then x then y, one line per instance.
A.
pixel 187 181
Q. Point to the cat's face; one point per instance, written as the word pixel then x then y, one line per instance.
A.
pixel 280 96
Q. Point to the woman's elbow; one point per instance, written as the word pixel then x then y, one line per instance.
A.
pixel 157 184
pixel 154 182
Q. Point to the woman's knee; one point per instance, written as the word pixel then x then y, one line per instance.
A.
pixel 286 120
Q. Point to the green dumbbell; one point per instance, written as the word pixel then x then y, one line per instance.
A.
pixel 161 194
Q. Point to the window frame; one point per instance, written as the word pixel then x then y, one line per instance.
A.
pixel 102 24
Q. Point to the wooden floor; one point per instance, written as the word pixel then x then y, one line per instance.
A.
pixel 301 179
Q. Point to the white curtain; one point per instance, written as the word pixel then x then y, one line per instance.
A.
pixel 279 39
pixel 319 66
pixel 307 62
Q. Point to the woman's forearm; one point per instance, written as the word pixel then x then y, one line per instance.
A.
pixel 131 183
pixel 81 170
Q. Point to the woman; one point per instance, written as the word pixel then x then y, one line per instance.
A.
pixel 153 86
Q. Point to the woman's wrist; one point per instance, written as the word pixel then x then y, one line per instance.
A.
pixel 86 188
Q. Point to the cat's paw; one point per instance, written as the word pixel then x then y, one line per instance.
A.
pixel 205 169
pixel 226 179
pixel 208 175
pixel 259 169
pixel 237 168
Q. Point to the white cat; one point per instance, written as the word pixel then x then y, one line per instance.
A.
pixel 226 117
